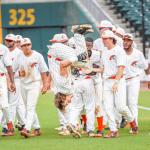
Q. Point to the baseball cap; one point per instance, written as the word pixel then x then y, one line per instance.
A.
pixel 120 31
pixel 108 34
pixel 105 24
pixel 59 38
pixel 18 37
pixel 25 41
pixel 11 37
pixel 129 36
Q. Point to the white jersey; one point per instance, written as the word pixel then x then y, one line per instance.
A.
pixel 5 59
pixel 95 60
pixel 135 62
pixel 32 66
pixel 119 41
pixel 14 55
pixel 149 57
pixel 80 44
pixel 56 53
pixel 98 45
pixel 111 59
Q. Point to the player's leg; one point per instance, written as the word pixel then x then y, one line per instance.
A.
pixel 99 108
pixel 108 97
pixel 31 101
pixel 120 103
pixel 132 99
pixel 20 110
pixel 89 102
pixel 5 106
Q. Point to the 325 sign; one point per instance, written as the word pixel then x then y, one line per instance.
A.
pixel 22 17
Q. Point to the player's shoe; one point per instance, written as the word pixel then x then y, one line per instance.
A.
pixel 134 127
pixel 59 128
pixel 112 134
pixel 5 132
pixel 73 131
pixel 25 133
pixel 64 132
pixel 36 132
pixel 99 134
pixel 91 134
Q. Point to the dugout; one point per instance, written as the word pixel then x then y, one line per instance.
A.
pixel 40 20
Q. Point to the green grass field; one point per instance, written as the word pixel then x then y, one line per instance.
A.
pixel 50 140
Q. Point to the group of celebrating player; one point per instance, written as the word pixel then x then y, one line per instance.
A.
pixel 90 79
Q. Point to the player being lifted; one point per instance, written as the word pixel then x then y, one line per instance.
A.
pixel 61 57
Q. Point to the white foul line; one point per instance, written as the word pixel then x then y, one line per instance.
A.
pixel 144 108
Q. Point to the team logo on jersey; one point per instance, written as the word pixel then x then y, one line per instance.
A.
pixel 134 63
pixel 33 64
pixel 112 57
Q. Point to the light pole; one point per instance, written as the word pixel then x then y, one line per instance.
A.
pixel 143 25
pixel 1 34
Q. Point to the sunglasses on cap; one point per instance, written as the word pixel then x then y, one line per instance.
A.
pixel 8 40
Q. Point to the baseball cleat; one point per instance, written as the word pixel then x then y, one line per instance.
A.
pixel 91 134
pixel 134 127
pixel 73 131
pixel 36 132
pixel 112 134
pixel 25 133
pixel 99 134
pixel 64 132
pixel 59 128
pixel 5 132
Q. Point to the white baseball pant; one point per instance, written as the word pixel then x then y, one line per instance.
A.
pixel 30 93
pixel 133 87
pixel 83 96
pixel 116 101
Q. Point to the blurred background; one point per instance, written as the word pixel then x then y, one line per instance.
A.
pixel 41 19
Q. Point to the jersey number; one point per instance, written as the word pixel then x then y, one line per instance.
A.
pixel 22 16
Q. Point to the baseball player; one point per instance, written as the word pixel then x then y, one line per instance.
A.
pixel 18 41
pixel 135 62
pixel 31 68
pixel 6 68
pixel 95 59
pixel 99 46
pixel 84 93
pixel 60 57
pixel 98 43
pixel 114 94
pixel 15 98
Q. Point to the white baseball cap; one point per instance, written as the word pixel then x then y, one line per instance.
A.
pixel 25 41
pixel 11 37
pixel 59 38
pixel 120 31
pixel 108 34
pixel 105 24
pixel 18 37
pixel 128 36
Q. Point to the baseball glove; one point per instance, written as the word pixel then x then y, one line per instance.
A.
pixel 82 29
